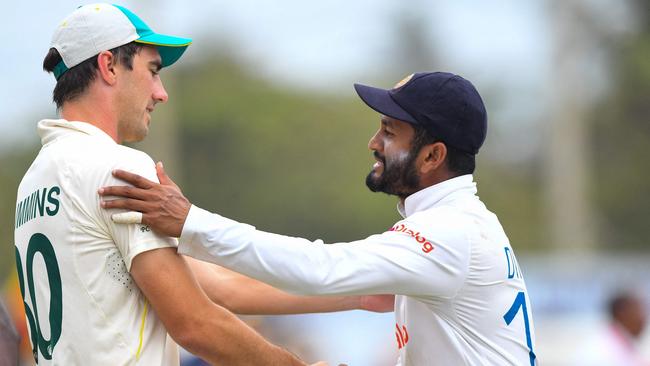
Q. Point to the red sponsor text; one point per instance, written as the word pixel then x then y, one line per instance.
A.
pixel 427 247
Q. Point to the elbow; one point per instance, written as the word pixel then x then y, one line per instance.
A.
pixel 204 333
pixel 187 337
pixel 190 331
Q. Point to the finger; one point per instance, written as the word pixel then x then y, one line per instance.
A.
pixel 127 204
pixel 162 175
pixel 136 180
pixel 124 191
pixel 131 217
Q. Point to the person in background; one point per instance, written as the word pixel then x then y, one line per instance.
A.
pixel 618 345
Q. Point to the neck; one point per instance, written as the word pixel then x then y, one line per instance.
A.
pixel 93 109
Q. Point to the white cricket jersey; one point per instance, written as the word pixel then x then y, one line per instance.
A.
pixel 461 296
pixel 82 306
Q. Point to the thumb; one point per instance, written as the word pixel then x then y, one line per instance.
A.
pixel 162 176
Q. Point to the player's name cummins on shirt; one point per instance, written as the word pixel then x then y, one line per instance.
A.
pixel 73 263
pixel 461 297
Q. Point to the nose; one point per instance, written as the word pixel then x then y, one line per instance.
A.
pixel 374 143
pixel 159 93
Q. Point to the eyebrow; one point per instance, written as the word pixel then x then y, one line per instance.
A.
pixel 386 122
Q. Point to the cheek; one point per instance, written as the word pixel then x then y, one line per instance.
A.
pixel 397 157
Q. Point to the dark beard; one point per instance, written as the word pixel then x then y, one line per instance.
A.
pixel 400 178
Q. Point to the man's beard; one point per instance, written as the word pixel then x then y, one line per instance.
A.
pixel 399 176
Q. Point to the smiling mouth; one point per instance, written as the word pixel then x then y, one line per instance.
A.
pixel 379 164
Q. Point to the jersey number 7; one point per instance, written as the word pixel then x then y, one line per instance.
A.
pixel 520 303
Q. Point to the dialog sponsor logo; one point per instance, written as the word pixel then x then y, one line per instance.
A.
pixel 427 247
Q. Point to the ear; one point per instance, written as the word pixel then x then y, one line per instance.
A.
pixel 106 63
pixel 434 156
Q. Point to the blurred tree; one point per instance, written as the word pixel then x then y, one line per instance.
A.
pixel 621 143
pixel 14 163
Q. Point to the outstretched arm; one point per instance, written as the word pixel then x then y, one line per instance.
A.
pixel 391 263
pixel 244 295
pixel 164 208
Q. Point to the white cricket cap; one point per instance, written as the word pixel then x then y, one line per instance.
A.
pixel 94 28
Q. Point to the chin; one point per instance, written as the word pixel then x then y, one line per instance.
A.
pixel 373 181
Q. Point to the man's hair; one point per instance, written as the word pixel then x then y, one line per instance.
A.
pixel 75 81
pixel 619 303
pixel 458 162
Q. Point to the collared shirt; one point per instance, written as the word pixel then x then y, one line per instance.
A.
pixel 73 263
pixel 461 295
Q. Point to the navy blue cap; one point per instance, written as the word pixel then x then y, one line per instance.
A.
pixel 446 105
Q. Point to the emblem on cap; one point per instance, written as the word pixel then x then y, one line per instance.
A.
pixel 403 81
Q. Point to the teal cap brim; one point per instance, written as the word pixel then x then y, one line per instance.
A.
pixel 170 48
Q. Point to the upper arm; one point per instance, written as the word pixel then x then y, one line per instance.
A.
pixel 197 324
pixel 168 284
pixel 132 239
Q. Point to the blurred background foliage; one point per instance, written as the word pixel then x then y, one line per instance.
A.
pixel 620 144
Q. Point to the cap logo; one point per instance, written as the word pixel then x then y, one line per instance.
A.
pixel 403 81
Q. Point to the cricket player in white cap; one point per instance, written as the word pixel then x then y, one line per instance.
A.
pixel 97 293
pixel 462 299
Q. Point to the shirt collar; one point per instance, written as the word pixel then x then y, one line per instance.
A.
pixel 432 195
pixel 51 129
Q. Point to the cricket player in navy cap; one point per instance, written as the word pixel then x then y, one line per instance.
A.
pixel 461 296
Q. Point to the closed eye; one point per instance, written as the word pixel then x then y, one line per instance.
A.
pixel 155 67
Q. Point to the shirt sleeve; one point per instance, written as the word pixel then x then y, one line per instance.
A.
pixel 405 260
pixel 133 239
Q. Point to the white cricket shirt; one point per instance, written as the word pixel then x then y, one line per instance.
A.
pixel 82 306
pixel 461 296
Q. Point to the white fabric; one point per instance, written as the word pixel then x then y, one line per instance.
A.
pixel 91 29
pixel 103 309
pixel 449 261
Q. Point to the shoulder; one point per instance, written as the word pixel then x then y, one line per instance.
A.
pixel 98 162
pixel 86 171
pixel 135 161
pixel 446 218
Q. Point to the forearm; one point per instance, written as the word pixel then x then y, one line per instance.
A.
pixel 223 339
pixel 244 295
pixel 284 303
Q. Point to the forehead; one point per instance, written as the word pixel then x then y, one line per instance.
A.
pixel 149 53
pixel 395 124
